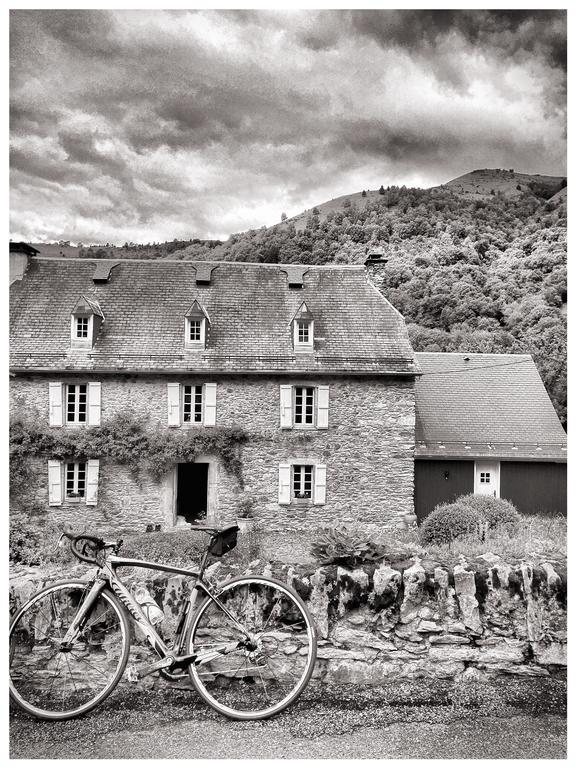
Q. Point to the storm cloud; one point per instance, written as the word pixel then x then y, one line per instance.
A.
pixel 150 125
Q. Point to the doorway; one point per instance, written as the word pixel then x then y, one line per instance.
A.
pixel 487 478
pixel 192 491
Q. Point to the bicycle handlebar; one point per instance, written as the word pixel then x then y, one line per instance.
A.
pixel 86 547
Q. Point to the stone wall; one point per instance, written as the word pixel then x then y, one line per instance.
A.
pixel 368 450
pixel 408 619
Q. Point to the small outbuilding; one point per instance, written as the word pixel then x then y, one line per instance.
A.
pixel 485 424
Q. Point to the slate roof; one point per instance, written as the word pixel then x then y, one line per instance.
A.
pixel 249 305
pixel 487 400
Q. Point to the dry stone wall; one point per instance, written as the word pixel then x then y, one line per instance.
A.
pixel 408 619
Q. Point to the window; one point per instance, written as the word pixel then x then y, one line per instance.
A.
pixel 71 404
pixel 75 480
pixel 484 477
pixel 76 403
pixel 304 405
pixel 303 329
pixel 195 330
pixel 82 324
pixel 302 481
pixel 192 404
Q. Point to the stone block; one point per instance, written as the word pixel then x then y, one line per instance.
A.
pixel 551 653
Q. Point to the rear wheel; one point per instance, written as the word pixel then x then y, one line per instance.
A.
pixel 256 657
pixel 57 683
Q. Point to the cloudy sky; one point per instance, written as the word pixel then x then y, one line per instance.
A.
pixel 151 125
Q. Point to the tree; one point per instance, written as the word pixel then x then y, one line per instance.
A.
pixel 363 193
pixel 283 217
pixel 381 190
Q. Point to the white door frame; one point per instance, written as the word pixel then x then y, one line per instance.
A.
pixel 487 466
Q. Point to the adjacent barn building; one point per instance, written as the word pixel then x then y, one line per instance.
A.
pixel 485 424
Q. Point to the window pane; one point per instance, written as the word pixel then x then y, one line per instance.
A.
pixel 302 481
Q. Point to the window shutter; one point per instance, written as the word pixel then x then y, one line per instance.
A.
pixel 173 405
pixel 209 405
pixel 55 404
pixel 322 410
pixel 286 406
pixel 92 471
pixel 284 484
pixel 320 484
pixel 54 484
pixel 94 399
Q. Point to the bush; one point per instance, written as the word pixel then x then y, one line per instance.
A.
pixel 447 522
pixel 496 512
pixel 33 540
pixel 341 545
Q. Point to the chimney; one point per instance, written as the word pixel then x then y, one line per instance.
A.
pixel 20 254
pixel 375 267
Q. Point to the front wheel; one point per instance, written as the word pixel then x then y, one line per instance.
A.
pixel 255 648
pixel 54 682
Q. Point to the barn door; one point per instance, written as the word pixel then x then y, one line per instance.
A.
pixel 487 478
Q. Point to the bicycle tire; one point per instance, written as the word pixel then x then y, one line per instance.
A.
pixel 245 684
pixel 52 684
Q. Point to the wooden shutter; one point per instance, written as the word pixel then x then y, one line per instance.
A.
pixel 286 406
pixel 55 404
pixel 92 471
pixel 322 408
pixel 94 400
pixel 173 405
pixel 320 484
pixel 54 483
pixel 284 484
pixel 209 405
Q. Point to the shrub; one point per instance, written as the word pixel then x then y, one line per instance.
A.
pixel 33 540
pixel 496 512
pixel 181 547
pixel 447 522
pixel 341 545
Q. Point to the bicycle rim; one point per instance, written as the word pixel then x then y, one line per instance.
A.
pixel 258 672
pixel 54 684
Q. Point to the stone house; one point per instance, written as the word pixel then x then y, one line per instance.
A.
pixel 313 363
pixel 485 425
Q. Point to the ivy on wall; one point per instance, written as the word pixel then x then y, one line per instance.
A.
pixel 124 439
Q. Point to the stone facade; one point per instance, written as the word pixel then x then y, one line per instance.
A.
pixel 368 450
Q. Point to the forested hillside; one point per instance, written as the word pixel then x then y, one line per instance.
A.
pixel 478 275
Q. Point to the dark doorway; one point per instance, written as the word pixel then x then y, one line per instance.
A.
pixel 192 491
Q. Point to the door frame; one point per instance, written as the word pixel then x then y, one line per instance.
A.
pixel 170 493
pixel 490 465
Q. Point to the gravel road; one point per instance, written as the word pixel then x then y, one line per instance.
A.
pixel 416 720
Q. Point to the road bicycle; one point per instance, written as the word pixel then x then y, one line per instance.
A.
pixel 249 647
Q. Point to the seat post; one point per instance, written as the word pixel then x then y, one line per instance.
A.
pixel 205 558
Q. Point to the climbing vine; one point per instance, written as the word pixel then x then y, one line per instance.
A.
pixel 124 439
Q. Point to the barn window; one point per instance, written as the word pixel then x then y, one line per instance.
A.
pixel 192 403
pixel 484 477
pixel 75 480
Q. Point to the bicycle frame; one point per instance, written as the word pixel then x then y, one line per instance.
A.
pixel 108 578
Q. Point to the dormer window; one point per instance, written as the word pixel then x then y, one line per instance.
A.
pixel 85 322
pixel 303 330
pixel 197 324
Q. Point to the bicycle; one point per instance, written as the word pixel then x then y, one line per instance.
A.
pixel 249 648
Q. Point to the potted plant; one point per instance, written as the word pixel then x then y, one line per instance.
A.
pixel 245 513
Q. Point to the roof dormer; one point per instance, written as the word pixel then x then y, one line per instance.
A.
pixel 196 327
pixel 85 322
pixel 303 329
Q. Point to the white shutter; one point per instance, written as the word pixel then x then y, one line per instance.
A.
pixel 209 405
pixel 92 471
pixel 55 403
pixel 286 406
pixel 322 408
pixel 54 483
pixel 173 405
pixel 284 484
pixel 94 401
pixel 320 484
